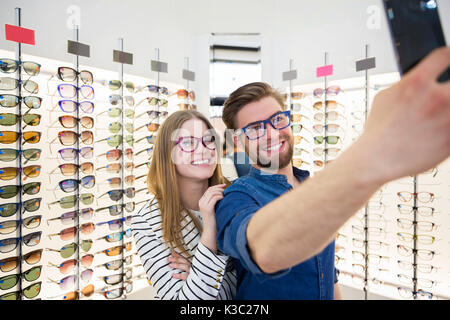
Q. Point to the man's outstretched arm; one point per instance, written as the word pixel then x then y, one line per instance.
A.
pixel 407 132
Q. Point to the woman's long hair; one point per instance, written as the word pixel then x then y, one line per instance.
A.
pixel 162 179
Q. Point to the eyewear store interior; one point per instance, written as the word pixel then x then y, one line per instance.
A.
pixel 80 109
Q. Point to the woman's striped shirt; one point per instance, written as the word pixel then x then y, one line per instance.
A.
pixel 211 275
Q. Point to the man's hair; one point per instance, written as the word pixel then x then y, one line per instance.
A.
pixel 244 95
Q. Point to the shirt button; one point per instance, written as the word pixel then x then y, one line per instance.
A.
pixel 219 271
pixel 216 286
pixel 321 275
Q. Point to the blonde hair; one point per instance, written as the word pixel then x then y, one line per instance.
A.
pixel 162 179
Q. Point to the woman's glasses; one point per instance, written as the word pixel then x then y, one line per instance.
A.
pixel 8 137
pixel 12 101
pixel 7 83
pixel 190 143
pixel 11 66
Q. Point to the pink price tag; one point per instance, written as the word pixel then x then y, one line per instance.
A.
pixel 324 71
pixel 19 34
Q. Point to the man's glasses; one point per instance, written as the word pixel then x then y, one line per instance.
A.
pixel 190 143
pixel 11 66
pixel 257 129
pixel 12 101
pixel 7 83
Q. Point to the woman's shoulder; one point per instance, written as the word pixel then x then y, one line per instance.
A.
pixel 150 210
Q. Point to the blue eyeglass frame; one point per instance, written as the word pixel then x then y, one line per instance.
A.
pixel 268 120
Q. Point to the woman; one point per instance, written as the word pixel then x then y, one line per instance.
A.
pixel 175 232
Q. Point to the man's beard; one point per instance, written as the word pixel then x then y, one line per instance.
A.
pixel 283 160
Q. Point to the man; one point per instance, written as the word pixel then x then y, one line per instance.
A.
pixel 279 225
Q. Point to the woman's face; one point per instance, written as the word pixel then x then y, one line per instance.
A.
pixel 191 157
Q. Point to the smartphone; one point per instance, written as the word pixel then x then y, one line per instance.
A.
pixel 415 30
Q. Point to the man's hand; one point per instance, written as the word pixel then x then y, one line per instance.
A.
pixel 408 129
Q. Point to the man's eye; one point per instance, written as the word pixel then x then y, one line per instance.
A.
pixel 256 127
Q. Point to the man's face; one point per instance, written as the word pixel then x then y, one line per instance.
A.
pixel 275 148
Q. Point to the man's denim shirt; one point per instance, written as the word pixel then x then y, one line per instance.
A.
pixel 311 279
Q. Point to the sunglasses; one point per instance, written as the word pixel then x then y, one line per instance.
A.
pixel 150 139
pixel 70 201
pixel 69 217
pixel 333 152
pixel 11 66
pixel 116 264
pixel 117 194
pixel 69 91
pixel 117 181
pixel 148 150
pixel 186 106
pixel 11 281
pixel 116 112
pixel 114 251
pixel 331 116
pixel 117 236
pixel 117 139
pixel 118 208
pixel 331 128
pixel 11 119
pixel 116 154
pixel 69 74
pixel 8 137
pixel 299 162
pixel 115 127
pixel 72 106
pixel 116 224
pixel 328 139
pixel 9 173
pixel 70 233
pixel 152 101
pixel 299 151
pixel 68 266
pixel 69 249
pixel 12 101
pixel 331 91
pixel 114 167
pixel 68 282
pixel 69 138
pixel 29 292
pixel 70 169
pixel 12 263
pixel 294 95
pixel 152 127
pixel 70 185
pixel 156 89
pixel 114 99
pixel 421 210
pixel 7 192
pixel 117 278
pixel 117 84
pixel 329 104
pixel 9 209
pixel 10 244
pixel 424 197
pixel 86 292
pixel 152 114
pixel 7 83
pixel 183 94
pixel 69 154
pixel 10 226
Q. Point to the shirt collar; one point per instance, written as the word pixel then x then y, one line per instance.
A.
pixel 301 175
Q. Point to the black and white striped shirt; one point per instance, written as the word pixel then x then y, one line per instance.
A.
pixel 211 275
